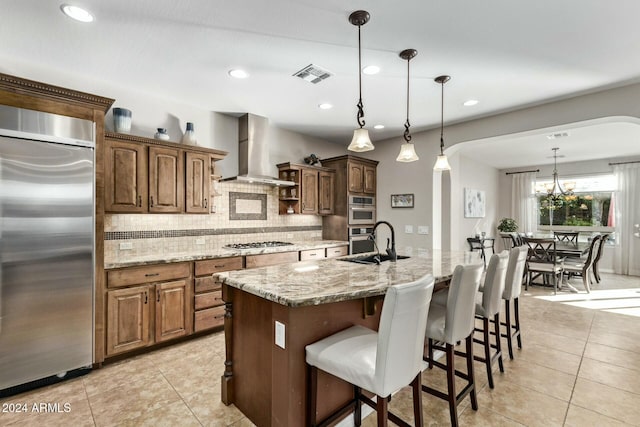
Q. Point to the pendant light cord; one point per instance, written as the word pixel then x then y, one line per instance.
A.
pixel 442 119
pixel 360 116
pixel 407 125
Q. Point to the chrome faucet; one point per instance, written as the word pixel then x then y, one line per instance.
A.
pixel 393 257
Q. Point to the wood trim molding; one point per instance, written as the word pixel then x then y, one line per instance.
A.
pixel 215 154
pixel 33 88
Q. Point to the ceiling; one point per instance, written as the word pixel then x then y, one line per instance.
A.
pixel 505 54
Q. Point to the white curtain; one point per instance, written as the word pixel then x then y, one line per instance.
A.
pixel 627 210
pixel 523 201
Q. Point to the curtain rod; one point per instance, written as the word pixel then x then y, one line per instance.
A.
pixel 624 163
pixel 513 173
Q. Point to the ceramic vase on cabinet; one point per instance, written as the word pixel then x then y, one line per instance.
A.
pixel 122 120
pixel 189 137
pixel 162 134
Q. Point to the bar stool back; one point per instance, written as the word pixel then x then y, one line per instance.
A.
pixel 512 289
pixel 449 324
pixel 380 362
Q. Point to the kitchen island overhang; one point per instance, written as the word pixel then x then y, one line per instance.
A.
pixel 265 372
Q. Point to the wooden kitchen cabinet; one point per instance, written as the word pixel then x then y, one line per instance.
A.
pixel 126 176
pixel 208 303
pixel 166 180
pixel 146 175
pixel 197 182
pixel 147 305
pixel 369 179
pixel 312 192
pixel 309 191
pixel 325 192
pixel 127 319
pixel 356 177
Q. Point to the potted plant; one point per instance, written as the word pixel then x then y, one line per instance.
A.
pixel 507 225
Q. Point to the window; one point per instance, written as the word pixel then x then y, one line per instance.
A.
pixel 589 206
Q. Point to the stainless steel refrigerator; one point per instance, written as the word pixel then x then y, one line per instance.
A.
pixel 46 247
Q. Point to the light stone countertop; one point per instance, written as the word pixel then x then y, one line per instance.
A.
pixel 222 252
pixel 334 280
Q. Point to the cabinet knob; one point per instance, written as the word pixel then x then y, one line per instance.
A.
pixel 151 274
pixel 139 201
pixel 150 201
pixel 146 297
pixel 158 298
pixel 205 202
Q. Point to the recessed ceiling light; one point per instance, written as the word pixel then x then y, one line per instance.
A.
pixel 77 13
pixel 371 69
pixel 238 74
pixel 325 106
pixel 378 127
pixel 470 102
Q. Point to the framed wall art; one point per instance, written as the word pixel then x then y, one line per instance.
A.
pixel 474 203
pixel 402 200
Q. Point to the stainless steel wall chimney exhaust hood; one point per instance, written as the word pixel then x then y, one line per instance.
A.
pixel 253 153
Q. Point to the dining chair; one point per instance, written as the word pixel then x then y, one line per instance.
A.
pixel 489 310
pixel 567 236
pixel 480 244
pixel 379 362
pixel 579 267
pixel 448 324
pixel 542 261
pixel 512 289
pixel 603 242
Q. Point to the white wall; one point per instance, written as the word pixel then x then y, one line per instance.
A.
pixel 469 173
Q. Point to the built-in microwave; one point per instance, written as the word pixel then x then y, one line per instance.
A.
pixel 362 210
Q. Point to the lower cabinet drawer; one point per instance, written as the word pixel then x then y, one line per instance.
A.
pixel 311 254
pixel 207 283
pixel 337 251
pixel 210 299
pixel 209 318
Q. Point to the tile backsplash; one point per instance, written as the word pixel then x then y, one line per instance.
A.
pixel 164 234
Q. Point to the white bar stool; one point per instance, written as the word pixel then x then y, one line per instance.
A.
pixel 489 309
pixel 380 362
pixel 449 324
pixel 512 289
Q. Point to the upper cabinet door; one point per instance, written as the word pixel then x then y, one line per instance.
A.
pixel 198 181
pixel 166 180
pixel 309 191
pixel 369 180
pixel 325 198
pixel 126 177
pixel 356 177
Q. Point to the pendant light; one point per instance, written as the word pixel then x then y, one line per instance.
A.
pixel 442 164
pixel 361 141
pixel 407 150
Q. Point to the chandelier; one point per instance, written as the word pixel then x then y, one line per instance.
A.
pixel 554 189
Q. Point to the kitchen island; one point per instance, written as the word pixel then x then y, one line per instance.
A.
pixel 272 313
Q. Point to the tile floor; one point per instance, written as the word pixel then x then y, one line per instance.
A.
pixel 580 366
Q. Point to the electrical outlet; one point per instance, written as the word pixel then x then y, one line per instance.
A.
pixel 423 229
pixel 199 240
pixel 280 334
pixel 408 229
pixel 126 246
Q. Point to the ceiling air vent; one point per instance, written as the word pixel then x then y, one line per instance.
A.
pixel 558 135
pixel 313 74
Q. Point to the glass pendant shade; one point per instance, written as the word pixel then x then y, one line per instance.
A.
pixel 361 141
pixel 442 163
pixel 407 153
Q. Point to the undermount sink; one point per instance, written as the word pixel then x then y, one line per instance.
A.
pixel 371 259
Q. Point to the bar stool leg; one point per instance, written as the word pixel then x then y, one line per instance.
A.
pixel 487 349
pixel 507 313
pixel 496 321
pixel 382 410
pixel 313 395
pixel 430 353
pixel 470 374
pixel 417 400
pixel 516 311
pixel 451 385
pixel 357 413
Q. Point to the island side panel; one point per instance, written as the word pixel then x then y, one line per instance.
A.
pixel 305 325
pixel 251 349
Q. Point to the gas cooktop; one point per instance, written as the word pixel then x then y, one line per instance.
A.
pixel 255 245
